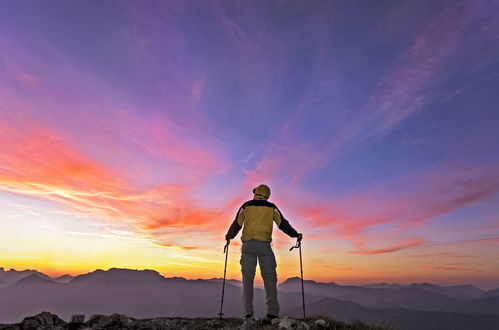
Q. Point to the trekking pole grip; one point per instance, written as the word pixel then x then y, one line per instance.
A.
pixel 297 245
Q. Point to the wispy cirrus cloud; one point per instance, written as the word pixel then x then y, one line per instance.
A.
pixel 133 165
pixel 37 162
pixel 188 248
pixel 456 266
pixel 425 197
pixel 394 248
pixel 407 87
pixel 444 255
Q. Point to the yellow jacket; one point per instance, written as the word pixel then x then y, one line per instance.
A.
pixel 256 218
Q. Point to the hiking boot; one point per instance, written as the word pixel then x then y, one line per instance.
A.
pixel 249 322
pixel 268 319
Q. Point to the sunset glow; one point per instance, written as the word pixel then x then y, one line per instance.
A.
pixel 131 132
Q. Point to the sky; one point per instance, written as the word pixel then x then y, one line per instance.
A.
pixel 132 131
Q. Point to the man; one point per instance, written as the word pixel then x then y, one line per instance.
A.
pixel 256 218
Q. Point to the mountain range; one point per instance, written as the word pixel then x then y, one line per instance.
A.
pixel 147 294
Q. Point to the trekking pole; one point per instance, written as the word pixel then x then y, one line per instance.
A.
pixel 226 251
pixel 298 245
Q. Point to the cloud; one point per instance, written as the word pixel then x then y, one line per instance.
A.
pixel 189 248
pixel 407 89
pixel 420 198
pixel 394 248
pixel 89 147
pixel 37 162
pixel 445 255
pixel 451 267
pixel 423 197
pixel 481 240
pixel 28 79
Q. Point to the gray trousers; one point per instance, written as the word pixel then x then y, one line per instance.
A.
pixel 250 252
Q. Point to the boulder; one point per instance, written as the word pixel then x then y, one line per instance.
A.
pixel 114 321
pixel 42 320
pixel 287 324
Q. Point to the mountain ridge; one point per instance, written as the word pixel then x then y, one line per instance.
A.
pixel 400 318
pixel 147 293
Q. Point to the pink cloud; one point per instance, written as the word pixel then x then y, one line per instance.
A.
pixel 139 144
pixel 444 255
pixel 28 79
pixel 451 267
pixel 481 240
pixel 39 163
pixel 394 248
pixel 421 198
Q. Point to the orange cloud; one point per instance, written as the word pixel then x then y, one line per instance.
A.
pixel 421 198
pixel 451 267
pixel 37 162
pixel 177 246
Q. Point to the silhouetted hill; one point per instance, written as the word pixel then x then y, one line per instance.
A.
pixel 382 285
pixel 220 280
pixel 295 282
pixel 63 278
pixel 408 297
pixel 491 293
pixel 455 291
pixel 405 319
pixel 33 280
pixel 140 294
pixel 484 305
pixel 147 294
pixel 12 275
pixel 118 276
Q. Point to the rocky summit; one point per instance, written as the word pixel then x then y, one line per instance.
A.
pixel 49 321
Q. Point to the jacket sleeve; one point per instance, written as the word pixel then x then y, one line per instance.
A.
pixel 236 225
pixel 283 224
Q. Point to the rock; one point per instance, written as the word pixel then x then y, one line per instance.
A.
pixel 320 323
pixel 248 324
pixel 303 326
pixel 78 318
pixel 286 323
pixel 41 321
pixel 214 324
pixel 156 324
pixel 115 321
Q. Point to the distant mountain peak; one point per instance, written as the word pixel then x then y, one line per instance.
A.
pixel 32 279
pixel 119 274
pixel 63 278
pixel 297 279
pixel 423 284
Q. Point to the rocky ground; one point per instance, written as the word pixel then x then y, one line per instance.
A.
pixel 46 321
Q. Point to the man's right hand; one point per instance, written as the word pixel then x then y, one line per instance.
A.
pixel 300 237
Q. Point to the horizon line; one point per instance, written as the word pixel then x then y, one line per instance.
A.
pixel 490 286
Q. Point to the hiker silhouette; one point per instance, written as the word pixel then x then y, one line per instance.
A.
pixel 255 217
